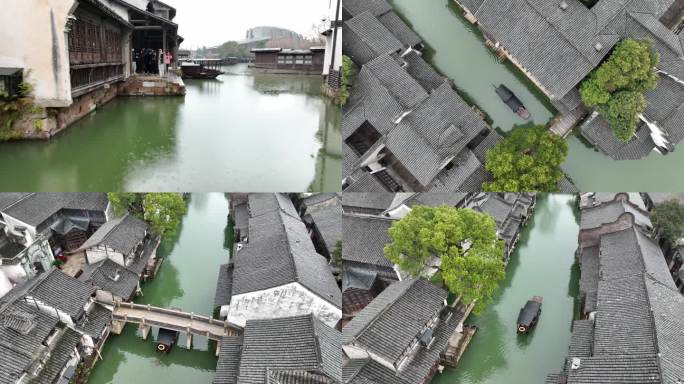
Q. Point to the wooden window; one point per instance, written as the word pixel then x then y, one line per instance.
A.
pixel 299 59
pixel 281 59
pixel 289 59
pixel 308 59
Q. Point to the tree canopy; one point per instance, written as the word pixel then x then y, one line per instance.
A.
pixel 668 220
pixel 163 211
pixel 529 159
pixel 464 242
pixel 617 86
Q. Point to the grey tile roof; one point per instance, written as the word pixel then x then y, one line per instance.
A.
pixel 401 86
pixel 224 285
pixel 416 370
pixel 241 217
pixel 328 220
pixel 35 208
pixel 375 202
pixel 399 29
pixel 438 129
pixel 609 212
pixel 388 325
pixel 423 72
pixel 364 239
pixel 300 343
pixel 667 305
pixel 365 182
pixel 58 290
pixel 18 348
pixel 638 317
pixel 376 7
pixel 365 38
pixel 95 321
pixel 434 199
pixel 280 251
pixel 9 198
pixel 103 275
pixel 547 40
pixel 589 277
pixel 318 198
pixel 122 234
pixel 229 360
pixel 59 356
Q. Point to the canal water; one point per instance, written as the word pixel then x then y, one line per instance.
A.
pixel 186 280
pixel 543 264
pixel 243 131
pixel 456 48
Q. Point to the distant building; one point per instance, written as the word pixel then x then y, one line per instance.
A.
pixel 265 36
pixel 279 60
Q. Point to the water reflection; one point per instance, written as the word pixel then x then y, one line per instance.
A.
pixel 240 132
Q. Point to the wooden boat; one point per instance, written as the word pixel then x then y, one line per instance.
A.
pixel 512 101
pixel 198 71
pixel 529 314
pixel 165 340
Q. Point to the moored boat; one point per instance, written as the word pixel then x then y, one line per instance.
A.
pixel 198 71
pixel 512 101
pixel 529 314
pixel 166 338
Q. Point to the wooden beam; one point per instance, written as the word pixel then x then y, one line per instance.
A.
pixel 147 27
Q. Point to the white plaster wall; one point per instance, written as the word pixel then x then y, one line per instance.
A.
pixel 49 310
pixel 117 8
pixel 288 300
pixel 14 273
pixel 5 283
pixel 329 41
pixel 97 254
pixel 33 38
pixel 142 4
pixel 11 223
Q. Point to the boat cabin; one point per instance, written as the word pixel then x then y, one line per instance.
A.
pixel 529 314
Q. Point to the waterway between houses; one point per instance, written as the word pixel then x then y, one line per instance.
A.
pixel 186 280
pixel 456 48
pixel 543 264
pixel 243 131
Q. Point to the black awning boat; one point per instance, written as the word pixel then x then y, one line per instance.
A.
pixel 198 71
pixel 512 101
pixel 529 314
pixel 166 338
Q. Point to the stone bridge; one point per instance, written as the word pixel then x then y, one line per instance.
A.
pixel 147 316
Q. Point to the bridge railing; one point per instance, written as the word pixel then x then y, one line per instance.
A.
pixel 174 312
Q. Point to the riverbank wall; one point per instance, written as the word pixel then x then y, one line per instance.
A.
pixel 44 123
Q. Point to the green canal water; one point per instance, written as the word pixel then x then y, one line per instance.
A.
pixel 456 48
pixel 543 264
pixel 186 280
pixel 243 131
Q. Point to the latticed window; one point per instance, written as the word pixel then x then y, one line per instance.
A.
pixel 308 59
pixel 281 59
pixel 299 59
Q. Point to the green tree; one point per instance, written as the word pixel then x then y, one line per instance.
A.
pixel 527 160
pixel 465 241
pixel 123 202
pixel 164 212
pixel 617 86
pixel 348 75
pixel 668 220
pixel 622 111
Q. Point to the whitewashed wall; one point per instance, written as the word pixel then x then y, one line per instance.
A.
pixel 288 300
pixel 33 38
pixel 99 253
pixel 11 223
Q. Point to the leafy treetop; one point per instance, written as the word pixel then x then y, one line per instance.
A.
pixel 464 241
pixel 163 211
pixel 618 85
pixel 529 159
pixel 668 219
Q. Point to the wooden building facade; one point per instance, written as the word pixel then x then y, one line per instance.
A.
pixel 279 60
